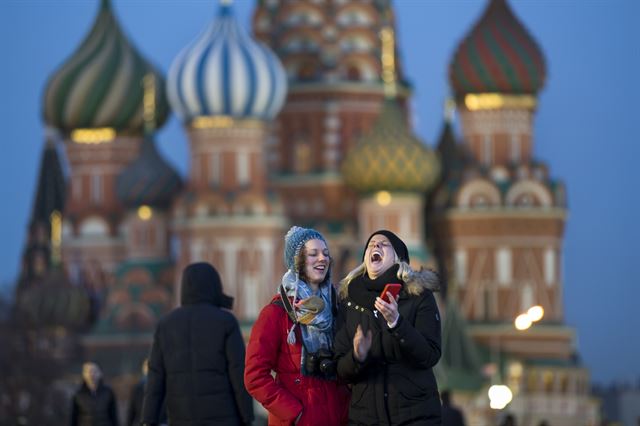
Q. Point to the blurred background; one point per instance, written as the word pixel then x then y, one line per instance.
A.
pixel 495 137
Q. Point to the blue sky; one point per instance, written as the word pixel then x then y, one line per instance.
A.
pixel 585 129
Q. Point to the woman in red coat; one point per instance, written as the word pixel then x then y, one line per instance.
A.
pixel 293 338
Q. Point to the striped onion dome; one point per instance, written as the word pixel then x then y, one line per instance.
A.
pixel 390 157
pixel 100 85
pixel 498 56
pixel 149 180
pixel 225 72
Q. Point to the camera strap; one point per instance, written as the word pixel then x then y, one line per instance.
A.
pixel 286 304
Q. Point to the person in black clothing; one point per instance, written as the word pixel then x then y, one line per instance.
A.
pixel 197 358
pixel 509 420
pixel 386 348
pixel 451 415
pixel 94 403
pixel 134 413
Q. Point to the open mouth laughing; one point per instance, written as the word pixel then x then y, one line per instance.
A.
pixel 376 257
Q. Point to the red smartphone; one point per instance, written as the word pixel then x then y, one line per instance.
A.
pixel 390 290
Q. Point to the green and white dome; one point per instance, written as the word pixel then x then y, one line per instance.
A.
pixel 101 84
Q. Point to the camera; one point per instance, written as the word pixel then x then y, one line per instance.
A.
pixel 321 363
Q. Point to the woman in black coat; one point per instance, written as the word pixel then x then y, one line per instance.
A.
pixel 386 349
pixel 197 359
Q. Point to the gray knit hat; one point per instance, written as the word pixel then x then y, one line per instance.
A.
pixel 294 240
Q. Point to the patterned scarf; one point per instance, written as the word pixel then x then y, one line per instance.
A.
pixel 313 312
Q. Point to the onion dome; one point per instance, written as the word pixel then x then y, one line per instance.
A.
pixel 391 157
pixel 225 72
pixel 100 85
pixel 149 180
pixel 498 56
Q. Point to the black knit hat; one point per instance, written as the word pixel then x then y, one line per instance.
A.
pixel 398 245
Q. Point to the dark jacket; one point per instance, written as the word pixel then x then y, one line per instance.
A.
pixel 197 359
pixel 134 412
pixel 322 402
pixel 395 385
pixel 94 408
pixel 452 416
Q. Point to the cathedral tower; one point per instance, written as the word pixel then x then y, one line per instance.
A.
pixel 95 101
pixel 499 218
pixel 331 53
pixel 226 88
pixel 391 169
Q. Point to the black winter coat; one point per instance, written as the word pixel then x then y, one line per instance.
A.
pixel 395 385
pixel 134 413
pixel 94 409
pixel 197 359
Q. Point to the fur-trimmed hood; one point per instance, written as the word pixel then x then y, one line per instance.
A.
pixel 417 281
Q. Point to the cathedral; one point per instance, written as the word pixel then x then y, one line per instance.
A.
pixel 305 120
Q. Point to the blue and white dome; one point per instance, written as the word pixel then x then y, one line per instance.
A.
pixel 225 72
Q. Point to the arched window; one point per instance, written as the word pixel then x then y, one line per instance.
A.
pixel 478 193
pixel 353 73
pixel 308 71
pixel 528 193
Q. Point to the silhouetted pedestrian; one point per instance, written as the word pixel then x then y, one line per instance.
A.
pixel 197 358
pixel 94 403
pixel 509 420
pixel 134 413
pixel 451 415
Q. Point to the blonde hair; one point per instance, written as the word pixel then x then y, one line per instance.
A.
pixel 405 274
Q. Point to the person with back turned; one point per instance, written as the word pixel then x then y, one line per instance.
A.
pixel 197 359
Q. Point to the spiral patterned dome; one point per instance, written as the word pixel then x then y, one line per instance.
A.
pixel 148 180
pixel 498 56
pixel 100 85
pixel 390 157
pixel 225 72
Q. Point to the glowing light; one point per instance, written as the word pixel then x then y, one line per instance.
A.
pixel 145 212
pixel 95 136
pixel 515 369
pixel 522 322
pixel 479 101
pixel 56 235
pixel 223 122
pixel 383 198
pixel 388 61
pixel 499 396
pixel 535 313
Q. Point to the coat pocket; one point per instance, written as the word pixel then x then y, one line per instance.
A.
pixel 357 393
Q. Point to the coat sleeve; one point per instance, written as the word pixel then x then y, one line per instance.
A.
pixel 131 409
pixel 262 357
pixel 420 343
pixel 74 412
pixel 234 350
pixel 113 409
pixel 348 368
pixel 154 391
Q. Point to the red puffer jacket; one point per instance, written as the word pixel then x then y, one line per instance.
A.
pixel 322 402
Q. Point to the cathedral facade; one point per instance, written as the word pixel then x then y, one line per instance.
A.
pixel 304 121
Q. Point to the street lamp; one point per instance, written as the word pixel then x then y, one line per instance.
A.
pixel 499 396
pixel 533 314
pixel 536 313
pixel 523 322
